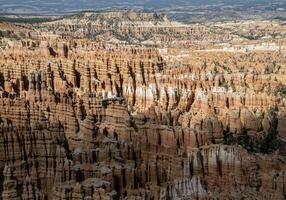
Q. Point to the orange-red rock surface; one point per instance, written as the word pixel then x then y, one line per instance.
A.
pixel 87 114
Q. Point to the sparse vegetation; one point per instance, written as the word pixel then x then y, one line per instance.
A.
pixel 281 91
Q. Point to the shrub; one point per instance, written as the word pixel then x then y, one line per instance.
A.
pixel 281 91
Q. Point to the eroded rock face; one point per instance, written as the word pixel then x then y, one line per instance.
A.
pixel 82 119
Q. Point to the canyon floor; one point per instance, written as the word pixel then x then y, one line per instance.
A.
pixel 132 105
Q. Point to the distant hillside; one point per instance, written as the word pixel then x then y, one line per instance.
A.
pixel 36 6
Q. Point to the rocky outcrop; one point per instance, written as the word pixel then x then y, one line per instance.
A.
pixel 82 119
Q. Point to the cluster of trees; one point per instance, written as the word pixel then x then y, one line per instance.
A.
pixel 10 34
pixel 24 20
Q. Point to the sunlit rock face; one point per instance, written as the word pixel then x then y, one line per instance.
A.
pixel 102 119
